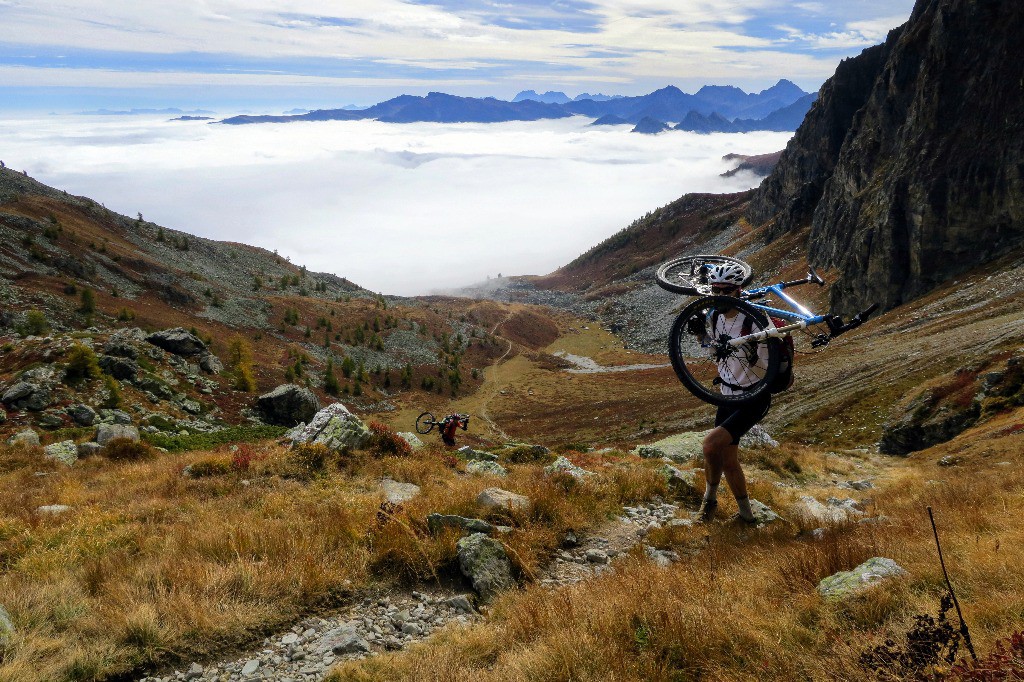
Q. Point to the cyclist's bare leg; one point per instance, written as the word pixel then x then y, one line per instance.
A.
pixel 721 456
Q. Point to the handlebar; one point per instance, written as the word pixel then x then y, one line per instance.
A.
pixel 837 327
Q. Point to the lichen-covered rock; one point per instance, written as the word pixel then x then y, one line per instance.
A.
pixel 469 453
pixel 486 468
pixel 288 405
pixel 832 512
pixel 483 560
pixel 108 432
pixel 333 426
pixel 868 574
pixel 496 498
pixel 83 415
pixel 51 419
pixel 411 438
pixel 211 364
pixel 562 465
pixel 436 522
pixel 757 436
pixel 108 416
pixel 397 493
pixel 684 482
pixel 26 395
pixel 179 341
pixel 682 447
pixel 28 437
pixel 122 369
pixel 763 514
pixel 65 452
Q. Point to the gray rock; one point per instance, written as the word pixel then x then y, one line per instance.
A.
pixel 211 364
pixel 179 341
pixel 191 406
pixel 660 557
pixel 109 416
pixel 596 556
pixel 469 453
pixel 107 432
pixel 195 671
pixel 65 452
pixel 833 512
pixel 683 481
pixel 496 498
pixel 333 426
pixel 460 603
pixel 437 521
pixel 121 348
pixel 868 574
pixel 53 509
pixel 483 560
pixel 51 420
pixel 562 465
pixel 343 640
pixel 650 452
pixel 83 415
pixel 759 437
pixel 6 626
pixel 123 369
pixel 486 468
pixel 288 405
pixel 27 437
pixel 763 513
pixel 251 666
pixel 26 395
pixel 86 450
pixel 397 493
pixel 412 439
pixel 682 447
pixel 18 392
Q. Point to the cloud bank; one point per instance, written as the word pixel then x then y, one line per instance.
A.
pixel 401 209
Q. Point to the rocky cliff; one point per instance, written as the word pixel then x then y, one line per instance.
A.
pixel 909 167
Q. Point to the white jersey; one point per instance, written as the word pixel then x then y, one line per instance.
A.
pixel 737 368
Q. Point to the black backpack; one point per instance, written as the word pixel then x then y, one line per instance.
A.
pixel 784 377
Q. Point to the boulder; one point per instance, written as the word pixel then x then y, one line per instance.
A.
pixel 18 392
pixel 412 439
pixel 343 640
pixel 485 468
pixel 88 449
pixel 65 452
pixel 832 512
pixel 83 415
pixel 483 560
pixel 757 436
pixel 121 348
pixel 122 369
pixel 108 416
pixel 333 426
pixel 868 574
pixel 683 481
pixel 51 420
pixel 108 432
pixel 26 395
pixel 436 522
pixel 562 465
pixel 27 437
pixel 461 603
pixel 682 447
pixel 211 364
pixel 469 453
pixel 496 498
pixel 288 405
pixel 179 341
pixel 763 513
pixel 6 626
pixel 397 493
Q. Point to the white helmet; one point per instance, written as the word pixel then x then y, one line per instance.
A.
pixel 726 273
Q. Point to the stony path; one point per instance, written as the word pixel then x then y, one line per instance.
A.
pixel 585 365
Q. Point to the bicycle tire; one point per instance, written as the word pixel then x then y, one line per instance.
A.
pixel 697 366
pixel 685 275
pixel 425 425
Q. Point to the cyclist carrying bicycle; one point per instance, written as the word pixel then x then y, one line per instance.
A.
pixel 449 424
pixel 721 446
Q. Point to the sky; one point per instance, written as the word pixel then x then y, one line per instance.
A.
pixel 273 55
pixel 397 208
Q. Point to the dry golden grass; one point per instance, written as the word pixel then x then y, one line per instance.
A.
pixel 744 606
pixel 151 568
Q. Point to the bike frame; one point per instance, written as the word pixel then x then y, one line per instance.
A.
pixel 802 316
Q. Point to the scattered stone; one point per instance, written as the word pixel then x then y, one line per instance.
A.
pixel 191 406
pixel 949 461
pixel 108 416
pixel 123 369
pixel 179 341
pixel 211 364
pixel 868 574
pixel 65 452
pixel 343 640
pixel 51 420
pixel 684 481
pixel 28 437
pixel 52 509
pixel 486 468
pixel 250 666
pixel 496 498
pixel 596 556
pixel 857 485
pixel 763 513
pixel 832 512
pixel 436 522
pixel 333 426
pixel 469 453
pixel 83 415
pixel 660 557
pixel 195 672
pixel 108 432
pixel 483 560
pixel 412 439
pixel 562 465
pixel 397 493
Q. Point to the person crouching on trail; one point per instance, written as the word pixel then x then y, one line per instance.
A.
pixel 721 445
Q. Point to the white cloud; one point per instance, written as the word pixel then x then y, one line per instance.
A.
pixel 397 208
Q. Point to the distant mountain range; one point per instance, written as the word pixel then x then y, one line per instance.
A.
pixel 555 97
pixel 713 108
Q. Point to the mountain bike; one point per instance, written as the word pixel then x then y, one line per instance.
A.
pixel 425 423
pixel 747 361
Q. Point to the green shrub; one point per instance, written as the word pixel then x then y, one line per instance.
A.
pixel 114 397
pixel 88 299
pixel 82 365
pixel 212 466
pixel 35 323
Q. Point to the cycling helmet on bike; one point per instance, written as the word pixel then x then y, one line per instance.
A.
pixel 726 273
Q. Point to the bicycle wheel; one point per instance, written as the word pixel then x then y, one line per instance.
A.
pixel 713 370
pixel 688 275
pixel 425 423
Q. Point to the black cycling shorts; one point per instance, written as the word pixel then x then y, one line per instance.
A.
pixel 738 419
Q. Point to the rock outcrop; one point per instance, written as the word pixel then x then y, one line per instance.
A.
pixel 483 560
pixel 288 405
pixel 910 167
pixel 868 574
pixel 178 341
pixel 333 426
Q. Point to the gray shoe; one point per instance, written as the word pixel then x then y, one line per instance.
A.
pixel 707 511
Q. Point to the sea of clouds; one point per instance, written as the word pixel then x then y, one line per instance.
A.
pixel 397 208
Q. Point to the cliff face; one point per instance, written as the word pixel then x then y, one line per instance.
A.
pixel 910 167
